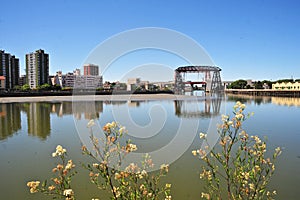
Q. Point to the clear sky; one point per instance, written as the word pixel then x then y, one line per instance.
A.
pixel 249 39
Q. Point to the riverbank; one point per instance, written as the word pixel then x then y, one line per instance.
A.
pixel 124 97
pixel 264 92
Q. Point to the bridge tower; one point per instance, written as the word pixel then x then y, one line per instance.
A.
pixel 213 85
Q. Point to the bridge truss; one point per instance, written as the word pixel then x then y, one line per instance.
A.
pixel 212 82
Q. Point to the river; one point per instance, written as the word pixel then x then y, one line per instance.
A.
pixel 29 133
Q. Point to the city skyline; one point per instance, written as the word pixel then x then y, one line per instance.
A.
pixel 248 40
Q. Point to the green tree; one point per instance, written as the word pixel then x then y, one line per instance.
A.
pixel 25 87
pixel 269 83
pixel 285 80
pixel 258 85
pixel 56 87
pixel 239 84
pixel 45 86
pixel 17 87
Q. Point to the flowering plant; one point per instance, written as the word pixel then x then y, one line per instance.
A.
pixel 134 182
pixel 61 184
pixel 237 168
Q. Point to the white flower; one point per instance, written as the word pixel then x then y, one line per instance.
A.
pixel 59 151
pixel 205 195
pixel 202 135
pixel 242 106
pixel 131 147
pixel 68 192
pixel 144 173
pixel 225 117
pixel 70 165
pixel 164 167
pixel 96 165
pixel 239 116
pixel 252 186
pixel 194 152
pixel 230 123
pixel 121 130
pixel 278 150
pixel 91 123
pixel 168 197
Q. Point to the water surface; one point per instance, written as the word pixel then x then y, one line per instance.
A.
pixel 29 132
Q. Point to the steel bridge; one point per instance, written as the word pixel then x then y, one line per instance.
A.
pixel 212 82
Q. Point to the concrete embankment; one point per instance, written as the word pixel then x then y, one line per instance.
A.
pixel 265 92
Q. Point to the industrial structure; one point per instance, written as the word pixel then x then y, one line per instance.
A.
pixel 212 82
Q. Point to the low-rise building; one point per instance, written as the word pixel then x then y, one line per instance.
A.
pixel 75 80
pixel 69 80
pixel 88 82
pixel 133 83
pixel 58 79
pixel 286 86
pixel 163 85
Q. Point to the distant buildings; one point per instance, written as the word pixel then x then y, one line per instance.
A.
pixel 91 70
pixel 37 68
pixel 286 86
pixel 76 80
pixel 136 83
pixel 88 82
pixel 70 77
pixel 9 68
pixel 133 83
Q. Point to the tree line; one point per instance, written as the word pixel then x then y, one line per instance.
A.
pixel 243 84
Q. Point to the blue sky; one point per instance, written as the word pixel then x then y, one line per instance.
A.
pixel 257 39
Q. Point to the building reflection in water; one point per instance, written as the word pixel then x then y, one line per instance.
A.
pixel 81 109
pixel 10 120
pixel 281 101
pixel 249 99
pixel 39 118
pixel 286 101
pixel 208 107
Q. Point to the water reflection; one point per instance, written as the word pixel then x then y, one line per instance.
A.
pixel 10 119
pixel 286 101
pixel 207 108
pixel 38 119
pixel 258 100
pixel 281 101
pixel 38 116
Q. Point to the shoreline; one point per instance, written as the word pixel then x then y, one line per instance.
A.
pixel 264 92
pixel 124 97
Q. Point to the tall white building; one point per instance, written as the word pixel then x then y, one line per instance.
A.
pixel 37 68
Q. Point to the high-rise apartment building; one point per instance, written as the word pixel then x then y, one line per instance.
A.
pixel 37 68
pixel 91 69
pixel 10 69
